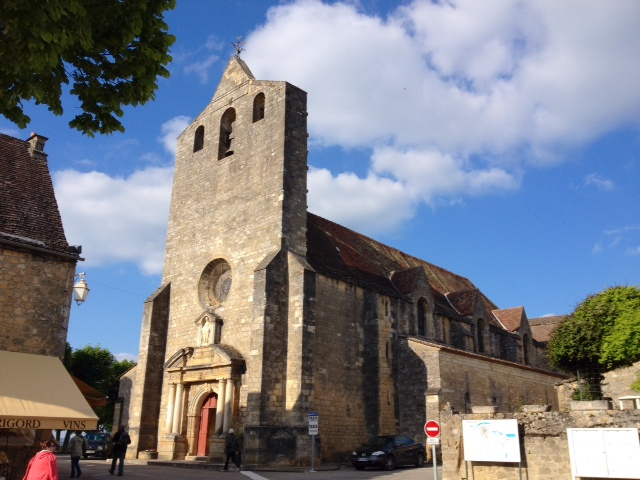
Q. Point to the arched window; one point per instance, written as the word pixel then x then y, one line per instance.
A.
pixel 217 333
pixel 226 143
pixel 480 333
pixel 258 107
pixel 198 139
pixel 423 307
pixel 526 346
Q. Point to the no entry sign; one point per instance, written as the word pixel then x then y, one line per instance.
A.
pixel 432 429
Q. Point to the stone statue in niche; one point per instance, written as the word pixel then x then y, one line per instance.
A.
pixel 204 335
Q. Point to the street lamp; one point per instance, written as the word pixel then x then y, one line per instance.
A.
pixel 80 289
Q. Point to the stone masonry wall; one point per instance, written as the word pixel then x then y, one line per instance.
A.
pixel 240 209
pixel 543 438
pixel 338 365
pixel 35 299
pixel 617 383
pixel 473 380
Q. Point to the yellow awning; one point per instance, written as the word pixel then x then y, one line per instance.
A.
pixel 37 392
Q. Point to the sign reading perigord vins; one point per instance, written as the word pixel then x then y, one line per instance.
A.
pixel 491 441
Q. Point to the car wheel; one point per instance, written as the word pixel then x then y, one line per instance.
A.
pixel 358 467
pixel 104 455
pixel 420 460
pixel 389 463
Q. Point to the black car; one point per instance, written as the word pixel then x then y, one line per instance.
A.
pixel 99 444
pixel 387 451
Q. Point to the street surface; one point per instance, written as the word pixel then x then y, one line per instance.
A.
pixel 137 469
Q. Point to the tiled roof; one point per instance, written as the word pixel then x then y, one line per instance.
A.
pixel 464 301
pixel 29 212
pixel 338 252
pixel 542 328
pixel 511 318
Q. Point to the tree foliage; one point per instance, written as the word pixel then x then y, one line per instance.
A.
pixel 603 331
pixel 98 367
pixel 111 51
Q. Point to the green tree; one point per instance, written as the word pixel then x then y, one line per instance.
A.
pixel 98 367
pixel 112 52
pixel 601 334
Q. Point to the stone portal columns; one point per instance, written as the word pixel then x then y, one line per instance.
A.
pixel 222 384
pixel 228 406
pixel 177 411
pixel 172 398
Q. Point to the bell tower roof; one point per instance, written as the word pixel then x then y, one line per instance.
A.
pixel 236 73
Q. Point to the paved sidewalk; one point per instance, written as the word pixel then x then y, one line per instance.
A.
pixel 182 470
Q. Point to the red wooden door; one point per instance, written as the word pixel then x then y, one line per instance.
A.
pixel 207 423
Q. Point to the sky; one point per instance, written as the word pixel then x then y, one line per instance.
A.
pixel 499 140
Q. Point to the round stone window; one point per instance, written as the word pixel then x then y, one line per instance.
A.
pixel 215 283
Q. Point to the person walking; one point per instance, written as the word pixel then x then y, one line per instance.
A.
pixel 120 442
pixel 77 446
pixel 44 465
pixel 231 447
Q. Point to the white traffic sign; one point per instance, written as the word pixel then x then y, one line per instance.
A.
pixel 432 429
pixel 313 423
pixel 433 441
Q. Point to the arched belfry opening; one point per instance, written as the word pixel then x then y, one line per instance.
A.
pixel 198 139
pixel 258 107
pixel 227 136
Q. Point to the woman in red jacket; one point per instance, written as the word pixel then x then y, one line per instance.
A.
pixel 43 466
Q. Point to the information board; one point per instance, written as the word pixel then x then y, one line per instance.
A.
pixel 491 441
pixel 604 452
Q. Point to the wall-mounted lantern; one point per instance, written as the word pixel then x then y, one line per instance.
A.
pixel 80 289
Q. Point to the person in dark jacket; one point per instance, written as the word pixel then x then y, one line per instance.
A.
pixel 231 447
pixel 120 442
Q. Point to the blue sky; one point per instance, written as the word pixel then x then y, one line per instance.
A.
pixel 499 140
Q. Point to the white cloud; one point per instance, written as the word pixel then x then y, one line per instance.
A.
pixel 12 132
pixel 171 129
pixel 601 183
pixel 97 209
pixel 126 356
pixel 459 97
pixel 201 68
pixel 375 204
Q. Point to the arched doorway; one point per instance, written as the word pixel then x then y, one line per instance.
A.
pixel 207 423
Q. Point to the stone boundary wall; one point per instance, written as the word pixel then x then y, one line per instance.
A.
pixel 543 443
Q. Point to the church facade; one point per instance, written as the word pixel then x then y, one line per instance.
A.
pixel 268 312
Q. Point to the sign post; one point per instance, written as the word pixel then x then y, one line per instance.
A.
pixel 432 429
pixel 313 431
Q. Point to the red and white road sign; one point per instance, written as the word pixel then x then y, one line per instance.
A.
pixel 432 429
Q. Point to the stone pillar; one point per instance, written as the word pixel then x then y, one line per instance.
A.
pixel 228 406
pixel 177 411
pixel 222 384
pixel 170 406
pixel 193 427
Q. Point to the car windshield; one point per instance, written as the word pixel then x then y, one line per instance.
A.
pixel 380 441
pixel 92 437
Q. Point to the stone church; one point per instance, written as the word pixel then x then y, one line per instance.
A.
pixel 267 312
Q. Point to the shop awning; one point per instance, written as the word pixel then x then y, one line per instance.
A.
pixel 37 392
pixel 93 396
